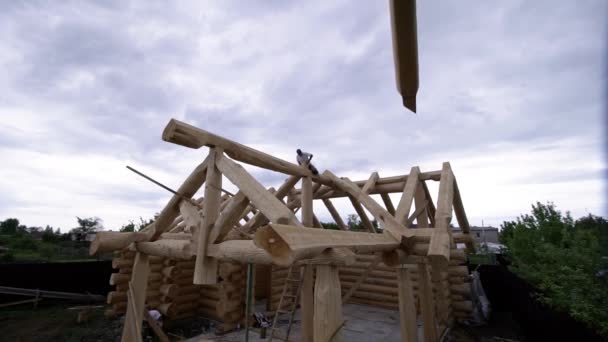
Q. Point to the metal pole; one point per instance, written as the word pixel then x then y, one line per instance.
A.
pixel 248 302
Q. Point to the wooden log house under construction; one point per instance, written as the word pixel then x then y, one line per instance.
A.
pixel 192 259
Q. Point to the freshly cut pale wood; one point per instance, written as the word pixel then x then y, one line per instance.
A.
pixel 267 203
pixel 334 214
pixel 307 211
pixel 427 305
pixel 122 263
pixel 371 183
pixel 461 217
pixel 307 304
pixel 190 186
pixel 388 203
pixel 431 206
pixel 407 197
pixel 242 251
pixel 332 256
pixel 362 215
pixel 439 249
pixel 113 241
pixel 422 202
pixel 137 290
pixel 407 307
pixel 286 244
pixel 327 304
pixel 183 134
pixel 229 217
pixel 205 267
pixel 391 225
pixel 174 249
pixel 176 236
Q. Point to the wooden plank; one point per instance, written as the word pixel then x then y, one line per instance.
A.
pixel 334 214
pixel 327 304
pixel 361 278
pixel 138 287
pixel 407 197
pixel 388 203
pixel 427 305
pixel 267 203
pixel 407 307
pixel 371 182
pixel 187 135
pixel 362 215
pixel 205 267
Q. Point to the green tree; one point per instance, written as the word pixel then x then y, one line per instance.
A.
pixel 48 235
pixel 9 226
pixel 135 227
pixel 563 259
pixel 85 227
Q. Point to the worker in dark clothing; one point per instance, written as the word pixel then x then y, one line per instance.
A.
pixel 304 158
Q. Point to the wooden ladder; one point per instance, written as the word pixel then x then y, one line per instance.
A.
pixel 288 293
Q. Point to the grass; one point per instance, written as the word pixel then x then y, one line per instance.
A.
pixel 54 322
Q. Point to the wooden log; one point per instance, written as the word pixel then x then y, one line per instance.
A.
pixel 427 305
pixel 307 299
pixel 174 249
pixel 137 297
pixel 205 267
pixel 464 306
pixel 407 197
pixel 361 278
pixel 334 214
pixel 286 244
pixel 122 263
pixel 388 203
pixel 327 304
pixel 171 271
pixel 370 183
pixel 362 215
pixel 407 307
pixel 242 251
pixel 171 210
pixel 183 134
pixel 112 241
pixel 461 217
pixel 441 240
pixel 229 217
pixel 422 203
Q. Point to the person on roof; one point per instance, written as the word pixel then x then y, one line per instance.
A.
pixel 304 158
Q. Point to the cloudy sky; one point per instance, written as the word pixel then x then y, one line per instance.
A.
pixel 511 93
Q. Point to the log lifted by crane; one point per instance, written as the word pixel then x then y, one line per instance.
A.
pixel 198 241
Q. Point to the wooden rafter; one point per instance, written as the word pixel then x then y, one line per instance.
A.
pixel 334 214
pixel 407 197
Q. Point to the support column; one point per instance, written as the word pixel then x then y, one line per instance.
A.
pixel 407 307
pixel 328 305
pixel 427 304
pixel 131 331
pixel 307 294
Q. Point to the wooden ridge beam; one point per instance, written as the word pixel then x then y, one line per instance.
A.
pixel 181 133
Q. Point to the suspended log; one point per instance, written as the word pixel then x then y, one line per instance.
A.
pixel 286 244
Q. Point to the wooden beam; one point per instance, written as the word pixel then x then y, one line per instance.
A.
pixel 391 225
pixel 139 282
pixel 334 214
pixel 422 203
pixel 416 214
pixel 431 205
pixel 114 241
pixel 268 204
pixel 439 248
pixel 427 305
pixel 205 267
pixel 371 182
pixel 229 217
pixel 461 217
pixel 190 186
pixel 388 203
pixel 407 197
pixel 307 298
pixel 327 304
pixel 407 307
pixel 362 215
pixel 187 135
pixel 286 244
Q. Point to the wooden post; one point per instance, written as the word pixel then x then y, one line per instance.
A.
pixel 388 203
pixel 427 304
pixel 138 287
pixel 362 215
pixel 307 295
pixel 420 201
pixel 327 304
pixel 205 267
pixel 407 307
pixel 407 197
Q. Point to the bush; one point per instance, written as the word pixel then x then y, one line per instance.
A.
pixel 564 260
